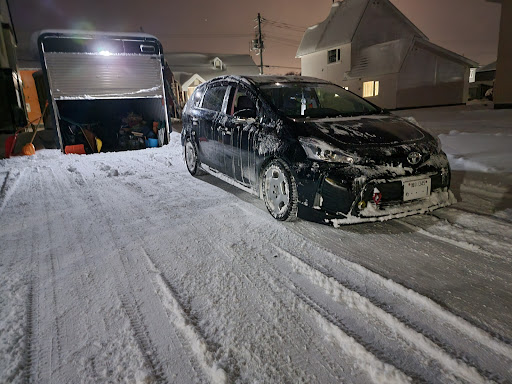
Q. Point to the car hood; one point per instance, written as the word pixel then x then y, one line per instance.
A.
pixel 364 130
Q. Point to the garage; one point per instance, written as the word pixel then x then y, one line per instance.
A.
pixel 107 90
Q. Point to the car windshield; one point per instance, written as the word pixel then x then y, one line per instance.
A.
pixel 297 100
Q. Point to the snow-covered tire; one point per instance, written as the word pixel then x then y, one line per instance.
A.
pixel 279 191
pixel 191 158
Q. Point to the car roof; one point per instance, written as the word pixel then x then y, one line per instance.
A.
pixel 271 79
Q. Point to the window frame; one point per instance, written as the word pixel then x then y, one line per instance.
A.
pixel 223 105
pixel 337 56
pixel 233 92
pixel 373 91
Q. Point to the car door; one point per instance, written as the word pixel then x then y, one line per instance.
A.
pixel 241 131
pixel 210 139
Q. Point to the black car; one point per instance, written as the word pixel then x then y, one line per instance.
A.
pixel 311 148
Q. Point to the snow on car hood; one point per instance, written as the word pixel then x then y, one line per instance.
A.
pixel 367 130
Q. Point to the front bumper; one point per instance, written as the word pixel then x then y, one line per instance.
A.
pixel 344 194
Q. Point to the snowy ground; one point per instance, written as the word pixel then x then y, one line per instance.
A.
pixel 122 267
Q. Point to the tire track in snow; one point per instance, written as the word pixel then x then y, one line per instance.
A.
pixel 497 219
pixel 325 355
pixel 32 324
pixel 132 306
pixel 380 369
pixel 439 332
pixel 140 213
pixel 29 333
pixel 491 236
pixel 128 301
pixel 17 280
pixel 464 245
pixel 424 263
pixel 132 310
pixel 10 184
pixel 232 375
pixel 89 253
pixel 183 322
pixel 199 357
pixel 305 331
pixel 49 357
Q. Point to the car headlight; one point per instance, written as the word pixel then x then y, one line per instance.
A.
pixel 320 150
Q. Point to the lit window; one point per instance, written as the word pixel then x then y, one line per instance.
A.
pixel 333 56
pixel 370 88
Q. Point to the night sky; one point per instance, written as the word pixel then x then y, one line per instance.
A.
pixel 468 27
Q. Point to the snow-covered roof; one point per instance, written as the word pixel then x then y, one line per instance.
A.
pixel 445 52
pixel 340 26
pixel 185 65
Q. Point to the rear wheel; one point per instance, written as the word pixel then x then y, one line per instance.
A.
pixel 191 158
pixel 279 191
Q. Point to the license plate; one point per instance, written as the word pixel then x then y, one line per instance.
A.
pixel 416 189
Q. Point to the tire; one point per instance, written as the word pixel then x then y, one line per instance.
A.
pixel 279 191
pixel 191 158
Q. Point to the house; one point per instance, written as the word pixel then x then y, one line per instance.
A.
pixel 371 48
pixel 192 69
pixel 483 81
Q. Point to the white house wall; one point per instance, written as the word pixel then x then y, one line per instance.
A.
pixel 387 89
pixel 315 65
pixel 427 79
pixel 382 40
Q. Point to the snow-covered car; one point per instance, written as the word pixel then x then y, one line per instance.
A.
pixel 310 148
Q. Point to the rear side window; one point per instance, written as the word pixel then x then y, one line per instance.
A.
pixel 214 98
pixel 240 99
pixel 196 97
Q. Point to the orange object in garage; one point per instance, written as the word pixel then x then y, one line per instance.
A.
pixel 30 92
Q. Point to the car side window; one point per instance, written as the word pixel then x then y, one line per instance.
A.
pixel 196 97
pixel 240 103
pixel 213 98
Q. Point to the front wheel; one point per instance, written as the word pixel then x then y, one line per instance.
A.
pixel 191 158
pixel 279 191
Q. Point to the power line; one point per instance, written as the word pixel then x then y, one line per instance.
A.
pixel 205 35
pixel 288 44
pixel 291 26
pixel 283 38
pixel 285 28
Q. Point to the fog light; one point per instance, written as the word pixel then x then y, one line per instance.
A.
pixel 361 205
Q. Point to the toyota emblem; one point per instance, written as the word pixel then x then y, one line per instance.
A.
pixel 414 158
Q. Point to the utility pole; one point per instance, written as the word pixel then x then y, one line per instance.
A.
pixel 260 44
pixel 257 43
